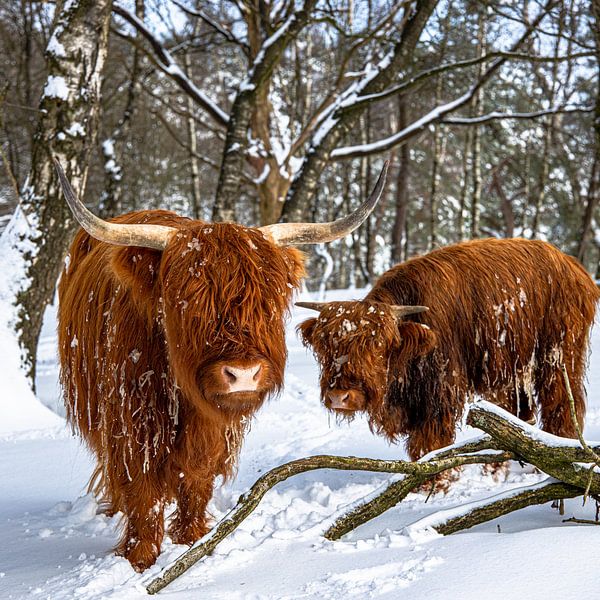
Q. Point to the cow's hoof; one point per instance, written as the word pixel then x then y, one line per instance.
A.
pixel 140 554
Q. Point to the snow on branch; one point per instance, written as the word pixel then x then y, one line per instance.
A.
pixel 481 119
pixel 214 25
pixel 169 67
pixel 419 78
pixel 436 114
pixel 433 116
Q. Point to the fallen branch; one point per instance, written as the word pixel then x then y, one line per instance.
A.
pixel 583 521
pixel 562 458
pixel 507 438
pixel 463 517
pixel 420 471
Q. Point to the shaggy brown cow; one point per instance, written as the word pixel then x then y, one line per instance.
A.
pixel 171 336
pixel 490 317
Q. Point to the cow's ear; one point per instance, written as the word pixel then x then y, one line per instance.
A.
pixel 137 269
pixel 416 339
pixel 306 330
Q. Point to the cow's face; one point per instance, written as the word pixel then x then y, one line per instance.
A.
pixel 360 346
pixel 226 290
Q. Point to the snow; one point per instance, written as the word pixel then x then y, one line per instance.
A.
pixel 59 546
pixel 55 47
pixel 56 87
pixel 19 409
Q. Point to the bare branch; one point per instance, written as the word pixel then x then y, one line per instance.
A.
pixel 436 114
pixel 166 63
pixel 420 78
pixel 248 501
pixel 220 29
pixel 531 115
pixel 473 513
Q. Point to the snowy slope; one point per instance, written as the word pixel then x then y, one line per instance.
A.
pixel 56 546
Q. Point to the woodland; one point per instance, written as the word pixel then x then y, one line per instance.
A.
pixel 267 111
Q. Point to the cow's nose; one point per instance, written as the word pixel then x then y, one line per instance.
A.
pixel 239 379
pixel 345 400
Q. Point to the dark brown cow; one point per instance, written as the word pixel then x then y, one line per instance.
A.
pixel 171 336
pixel 490 317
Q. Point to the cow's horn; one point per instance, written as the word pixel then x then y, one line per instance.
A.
pixel 287 234
pixel 403 311
pixel 121 234
pixel 318 306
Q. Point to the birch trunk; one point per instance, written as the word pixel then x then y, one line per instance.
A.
pixel 67 130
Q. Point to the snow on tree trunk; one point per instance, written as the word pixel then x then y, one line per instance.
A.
pixel 40 232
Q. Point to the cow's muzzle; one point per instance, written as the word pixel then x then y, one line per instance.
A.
pixel 345 400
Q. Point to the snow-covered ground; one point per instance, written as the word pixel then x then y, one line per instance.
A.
pixel 56 546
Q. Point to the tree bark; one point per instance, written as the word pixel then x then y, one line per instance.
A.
pixel 594 182
pixel 251 97
pixel 113 148
pixel 401 189
pixel 476 139
pixel 446 522
pixel 67 129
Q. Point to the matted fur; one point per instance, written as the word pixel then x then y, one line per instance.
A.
pixel 142 334
pixel 503 315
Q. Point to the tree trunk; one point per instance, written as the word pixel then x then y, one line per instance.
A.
pixel 250 112
pixel 464 188
pixel 113 148
pixel 196 202
pixel 306 182
pixel 476 140
pixel 401 189
pixel 540 192
pixel 594 183
pixel 67 129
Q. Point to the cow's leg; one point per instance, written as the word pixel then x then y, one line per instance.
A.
pixel 519 404
pixel 189 523
pixel 430 436
pixel 143 506
pixel 554 400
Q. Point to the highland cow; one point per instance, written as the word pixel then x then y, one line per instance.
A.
pixel 491 317
pixel 171 336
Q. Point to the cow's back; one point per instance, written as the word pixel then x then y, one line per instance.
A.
pixel 495 305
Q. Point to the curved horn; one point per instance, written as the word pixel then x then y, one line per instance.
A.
pixel 318 306
pixel 403 311
pixel 121 234
pixel 286 234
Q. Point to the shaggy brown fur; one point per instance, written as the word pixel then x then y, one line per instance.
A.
pixel 143 335
pixel 503 315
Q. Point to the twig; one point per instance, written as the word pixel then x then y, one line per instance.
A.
pixel 584 521
pixel 593 455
